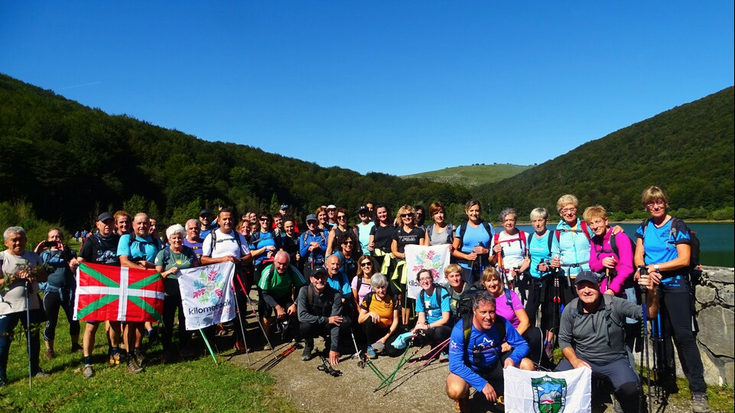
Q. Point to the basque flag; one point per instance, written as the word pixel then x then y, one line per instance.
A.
pixel 106 292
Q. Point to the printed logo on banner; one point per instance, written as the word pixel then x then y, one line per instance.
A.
pixel 209 287
pixel 549 394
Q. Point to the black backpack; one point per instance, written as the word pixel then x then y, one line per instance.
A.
pixel 695 267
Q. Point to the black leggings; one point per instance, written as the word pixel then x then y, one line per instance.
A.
pixel 171 303
pixel 52 301
pixel 676 318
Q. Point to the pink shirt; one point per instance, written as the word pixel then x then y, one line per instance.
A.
pixel 600 250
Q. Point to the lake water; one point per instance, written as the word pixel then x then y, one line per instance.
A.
pixel 717 241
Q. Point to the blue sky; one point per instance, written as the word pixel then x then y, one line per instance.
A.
pixel 389 86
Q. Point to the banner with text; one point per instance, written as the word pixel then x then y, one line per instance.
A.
pixel 206 294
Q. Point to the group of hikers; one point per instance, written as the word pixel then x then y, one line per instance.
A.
pixel 510 297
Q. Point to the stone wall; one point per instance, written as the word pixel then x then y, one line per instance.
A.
pixel 714 306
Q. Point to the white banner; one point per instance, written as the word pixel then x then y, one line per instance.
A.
pixel 419 257
pixel 548 392
pixel 207 296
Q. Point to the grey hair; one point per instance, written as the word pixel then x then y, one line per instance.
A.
pixel 378 280
pixel 175 229
pixel 14 230
pixel 192 220
pixel 539 213
pixel 481 296
pixel 507 211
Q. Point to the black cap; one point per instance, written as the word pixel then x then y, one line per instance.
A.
pixel 319 270
pixel 311 217
pixel 363 209
pixel 284 207
pixel 204 212
pixel 588 276
pixel 104 217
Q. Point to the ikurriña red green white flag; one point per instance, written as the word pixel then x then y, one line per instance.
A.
pixel 106 292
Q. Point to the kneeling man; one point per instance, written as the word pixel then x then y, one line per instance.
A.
pixel 320 313
pixel 475 355
pixel 592 335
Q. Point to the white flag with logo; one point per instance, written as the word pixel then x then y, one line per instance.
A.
pixel 206 294
pixel 548 392
pixel 418 257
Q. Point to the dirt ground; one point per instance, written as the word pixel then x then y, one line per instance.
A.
pixel 314 391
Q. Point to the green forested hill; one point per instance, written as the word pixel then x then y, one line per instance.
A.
pixel 70 161
pixel 65 162
pixel 472 175
pixel 688 150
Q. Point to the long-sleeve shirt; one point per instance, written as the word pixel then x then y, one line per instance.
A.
pixel 305 241
pixel 461 358
pixel 323 305
pixel 601 249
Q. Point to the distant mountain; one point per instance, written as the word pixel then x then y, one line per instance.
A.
pixel 472 175
pixel 688 151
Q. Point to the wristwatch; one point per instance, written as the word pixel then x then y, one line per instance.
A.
pixel 656 267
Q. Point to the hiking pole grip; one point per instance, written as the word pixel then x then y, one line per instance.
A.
pixel 643 270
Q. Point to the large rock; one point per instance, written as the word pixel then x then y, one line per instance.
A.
pixel 725 294
pixel 704 294
pixel 720 275
pixel 716 330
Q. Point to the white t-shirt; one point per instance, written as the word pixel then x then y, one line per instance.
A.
pixel 514 248
pixel 225 244
pixel 13 296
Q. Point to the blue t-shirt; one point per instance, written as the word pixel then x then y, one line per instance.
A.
pixel 659 246
pixel 340 283
pixel 538 248
pixel 432 304
pixel 264 239
pixel 487 342
pixel 140 249
pixel 474 236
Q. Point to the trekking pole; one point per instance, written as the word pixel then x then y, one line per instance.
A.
pixel 354 342
pixel 327 368
pixel 239 316
pixel 658 363
pixel 28 288
pixel 431 353
pixel 257 317
pixel 278 358
pixel 644 330
pixel 428 358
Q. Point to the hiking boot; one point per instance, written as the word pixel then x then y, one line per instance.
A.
pixel 267 347
pixel 700 403
pixel 50 354
pixel 306 355
pixel 133 366
pixel 76 348
pixel 240 346
pixel 115 359
pixel 40 374
pixel 139 357
pixel 371 353
pixel 88 371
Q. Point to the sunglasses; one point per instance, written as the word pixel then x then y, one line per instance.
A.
pixel 366 264
pixel 347 243
pixel 341 217
pixel 264 219
pixel 406 215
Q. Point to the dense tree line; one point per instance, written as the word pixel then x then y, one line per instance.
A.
pixel 688 150
pixel 70 161
pixel 65 159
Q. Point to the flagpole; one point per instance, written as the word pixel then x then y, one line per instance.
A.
pixel 204 336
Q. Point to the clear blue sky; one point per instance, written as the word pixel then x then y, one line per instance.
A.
pixel 390 86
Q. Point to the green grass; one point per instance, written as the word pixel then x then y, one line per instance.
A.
pixel 473 175
pixel 197 385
